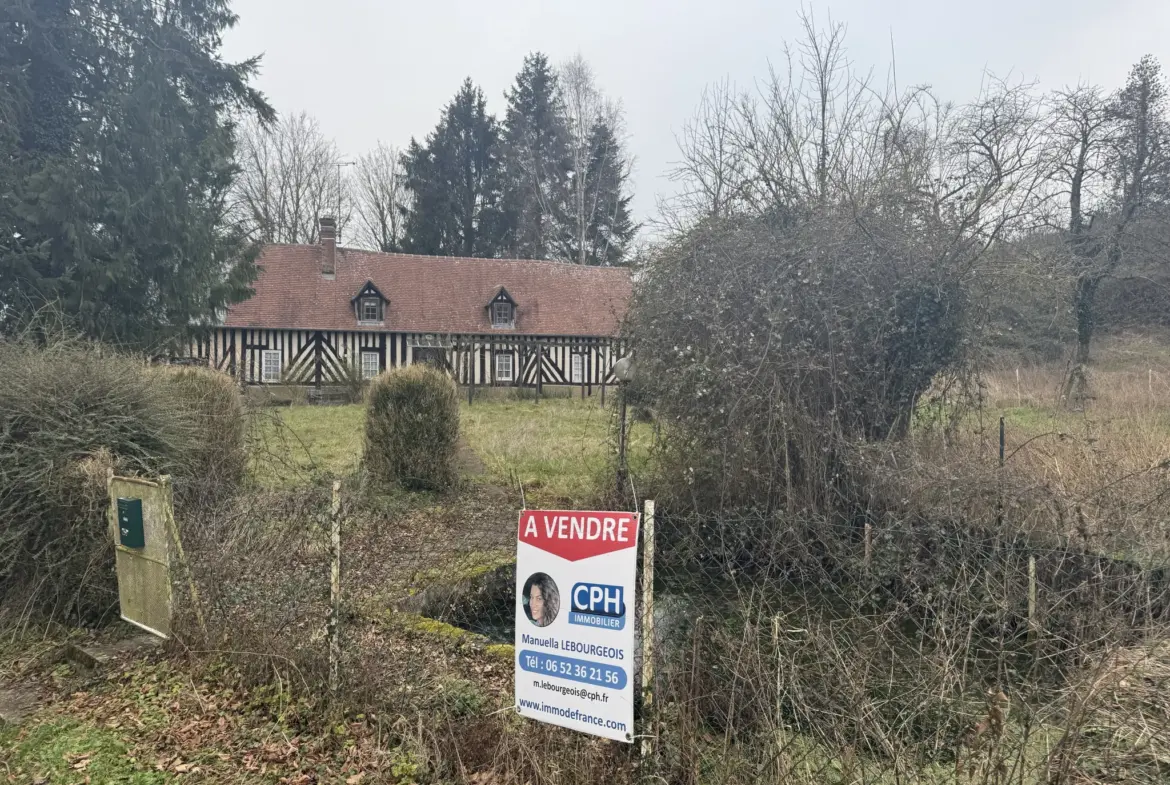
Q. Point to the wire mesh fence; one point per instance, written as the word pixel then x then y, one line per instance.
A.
pixel 785 645
pixel 803 649
pixel 783 649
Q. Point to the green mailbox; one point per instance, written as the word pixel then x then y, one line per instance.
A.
pixel 130 532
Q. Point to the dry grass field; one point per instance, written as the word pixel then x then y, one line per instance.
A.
pixel 1110 455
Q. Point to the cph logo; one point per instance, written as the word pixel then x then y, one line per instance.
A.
pixel 598 599
pixel 598 605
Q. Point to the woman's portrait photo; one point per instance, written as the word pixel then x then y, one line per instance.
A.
pixel 541 599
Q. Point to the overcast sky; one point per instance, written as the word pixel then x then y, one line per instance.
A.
pixel 383 69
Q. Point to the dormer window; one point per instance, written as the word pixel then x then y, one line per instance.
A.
pixel 369 305
pixel 502 310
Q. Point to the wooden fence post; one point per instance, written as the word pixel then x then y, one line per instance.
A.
pixel 1033 623
pixel 335 591
pixel 649 730
pixel 623 438
pixel 173 530
pixel 868 544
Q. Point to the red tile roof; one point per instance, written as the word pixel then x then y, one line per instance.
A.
pixel 433 294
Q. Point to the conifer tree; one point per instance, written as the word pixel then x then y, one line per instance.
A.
pixel 454 182
pixel 117 163
pixel 610 226
pixel 535 161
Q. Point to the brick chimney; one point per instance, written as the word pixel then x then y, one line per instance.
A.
pixel 327 236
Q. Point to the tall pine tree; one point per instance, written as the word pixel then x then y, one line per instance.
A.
pixel 454 181
pixel 535 161
pixel 610 229
pixel 116 170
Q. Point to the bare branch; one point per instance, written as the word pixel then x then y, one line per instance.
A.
pixel 381 197
pixel 289 178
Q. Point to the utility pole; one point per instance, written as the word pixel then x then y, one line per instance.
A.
pixel 340 164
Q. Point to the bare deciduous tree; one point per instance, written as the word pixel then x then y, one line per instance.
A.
pixel 803 135
pixel 586 108
pixel 381 197
pixel 711 165
pixel 817 135
pixel 1112 157
pixel 290 177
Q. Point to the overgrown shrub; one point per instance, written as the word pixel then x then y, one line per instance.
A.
pixel 68 415
pixel 218 457
pixel 71 413
pixel 768 346
pixel 412 426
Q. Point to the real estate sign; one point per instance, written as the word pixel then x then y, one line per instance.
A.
pixel 575 600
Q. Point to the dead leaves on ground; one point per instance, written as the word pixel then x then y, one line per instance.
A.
pixel 177 765
pixel 79 762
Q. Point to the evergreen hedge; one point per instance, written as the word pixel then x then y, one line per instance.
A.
pixel 412 429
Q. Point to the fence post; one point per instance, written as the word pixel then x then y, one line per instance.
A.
pixel 335 590
pixel 868 543
pixel 999 479
pixel 649 731
pixel 1002 441
pixel 623 437
pixel 1032 621
pixel 173 530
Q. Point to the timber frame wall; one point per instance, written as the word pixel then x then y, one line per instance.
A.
pixel 321 357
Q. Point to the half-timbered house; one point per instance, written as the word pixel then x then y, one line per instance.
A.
pixel 321 314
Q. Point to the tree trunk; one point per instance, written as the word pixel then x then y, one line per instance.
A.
pixel 1084 295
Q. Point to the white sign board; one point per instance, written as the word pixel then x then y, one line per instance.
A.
pixel 575 599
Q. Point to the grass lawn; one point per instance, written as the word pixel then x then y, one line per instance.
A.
pixel 68 751
pixel 299 440
pixel 560 449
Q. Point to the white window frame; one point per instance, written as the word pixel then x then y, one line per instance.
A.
pixel 371 364
pixel 270 366
pixel 502 307
pixel 576 368
pixel 500 375
pixel 362 307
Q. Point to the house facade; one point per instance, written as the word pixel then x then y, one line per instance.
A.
pixel 322 314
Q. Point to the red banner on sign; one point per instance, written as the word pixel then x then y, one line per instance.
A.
pixel 576 534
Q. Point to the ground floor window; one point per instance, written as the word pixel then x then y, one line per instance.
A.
pixel 270 366
pixel 503 367
pixel 371 365
pixel 577 368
